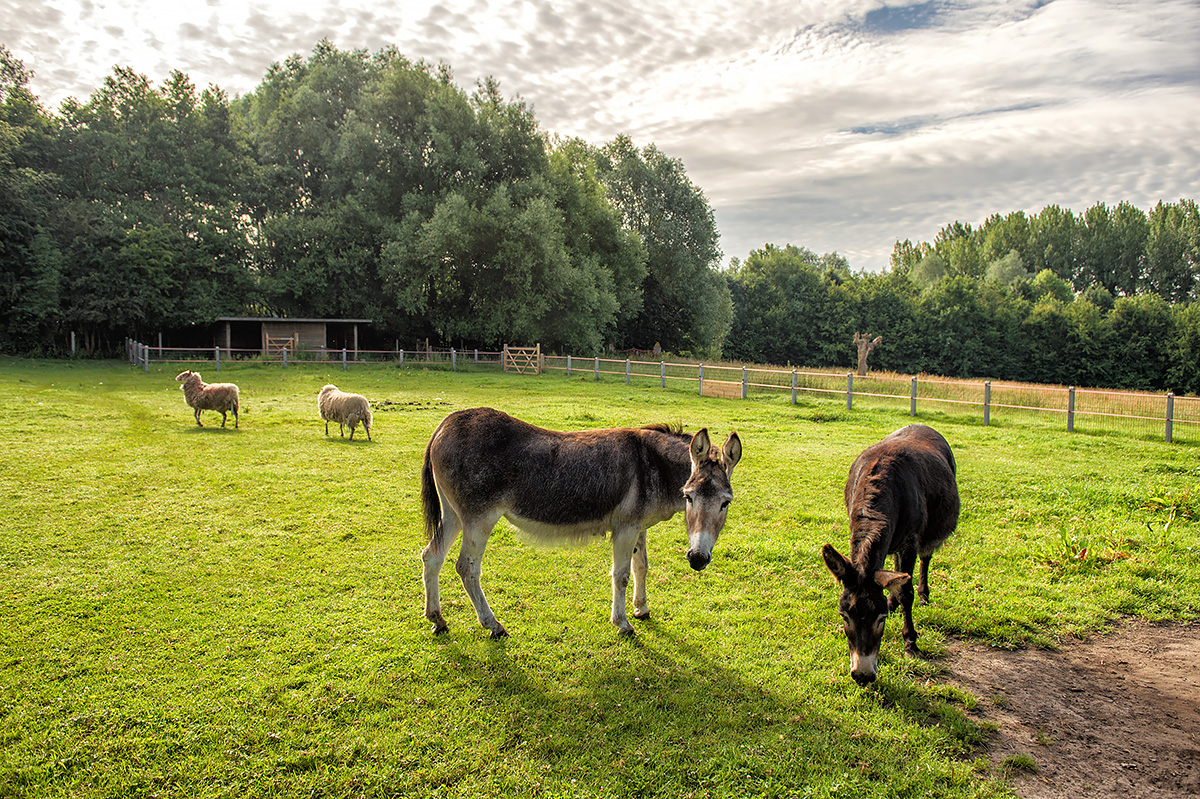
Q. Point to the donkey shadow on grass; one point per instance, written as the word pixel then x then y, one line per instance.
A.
pixel 661 710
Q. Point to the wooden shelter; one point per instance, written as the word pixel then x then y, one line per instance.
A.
pixel 272 335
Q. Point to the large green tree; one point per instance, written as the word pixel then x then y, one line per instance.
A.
pixel 686 304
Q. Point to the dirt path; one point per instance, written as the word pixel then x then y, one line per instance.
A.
pixel 1117 715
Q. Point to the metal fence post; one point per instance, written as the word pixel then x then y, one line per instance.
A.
pixel 912 398
pixel 568 366
pixel 217 356
pixel 987 403
pixel 849 391
pixel 1071 410
pixel 743 382
pixel 476 355
pixel 343 359
pixel 285 352
pixel 1170 414
pixel 793 386
pixel 702 380
pixel 626 371
pixel 597 367
pixel 453 360
pixel 146 357
pixel 401 359
pixel 662 374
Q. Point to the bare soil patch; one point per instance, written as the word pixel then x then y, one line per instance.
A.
pixel 1115 715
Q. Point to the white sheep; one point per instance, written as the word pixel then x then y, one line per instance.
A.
pixel 345 409
pixel 203 396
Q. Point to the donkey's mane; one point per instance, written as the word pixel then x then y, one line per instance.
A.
pixel 874 500
pixel 662 427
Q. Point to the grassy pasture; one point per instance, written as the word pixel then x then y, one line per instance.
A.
pixel 207 612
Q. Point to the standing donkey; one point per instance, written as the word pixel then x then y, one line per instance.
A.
pixel 902 497
pixel 482 464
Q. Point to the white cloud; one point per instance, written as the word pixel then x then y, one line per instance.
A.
pixel 833 125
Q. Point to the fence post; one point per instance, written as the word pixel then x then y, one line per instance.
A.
pixel 285 352
pixel 626 371
pixel 1170 414
pixel 743 382
pixel 453 360
pixel 912 398
pixel 568 366
pixel 401 359
pixel 217 356
pixel 662 374
pixel 793 386
pixel 343 359
pixel 849 391
pixel 476 355
pixel 702 380
pixel 1071 410
pixel 597 367
pixel 987 403
pixel 146 357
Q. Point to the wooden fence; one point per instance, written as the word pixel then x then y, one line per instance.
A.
pixel 1162 415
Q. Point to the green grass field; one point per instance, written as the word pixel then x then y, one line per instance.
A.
pixel 210 613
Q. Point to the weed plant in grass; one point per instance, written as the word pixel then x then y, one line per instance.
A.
pixel 192 611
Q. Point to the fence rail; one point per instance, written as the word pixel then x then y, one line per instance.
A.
pixel 142 355
pixel 1167 415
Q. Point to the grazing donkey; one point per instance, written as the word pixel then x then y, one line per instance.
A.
pixel 482 464
pixel 902 498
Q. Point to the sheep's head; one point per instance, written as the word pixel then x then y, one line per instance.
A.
pixel 187 375
pixel 327 388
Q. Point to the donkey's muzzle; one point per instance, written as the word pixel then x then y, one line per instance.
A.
pixel 698 560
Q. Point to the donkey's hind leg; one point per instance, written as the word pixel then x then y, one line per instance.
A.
pixel 640 564
pixel 433 558
pixel 470 567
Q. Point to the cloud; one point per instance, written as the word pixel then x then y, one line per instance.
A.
pixel 833 124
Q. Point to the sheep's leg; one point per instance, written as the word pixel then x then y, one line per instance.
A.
pixel 235 418
pixel 326 427
pixel 368 429
pixel 341 428
pixel 224 418
pixel 198 418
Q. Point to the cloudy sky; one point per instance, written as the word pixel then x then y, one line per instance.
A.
pixel 837 125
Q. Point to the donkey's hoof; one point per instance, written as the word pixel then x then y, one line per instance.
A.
pixel 498 632
pixel 626 632
pixel 642 613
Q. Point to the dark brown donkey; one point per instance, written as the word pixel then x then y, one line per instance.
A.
pixel 482 464
pixel 902 498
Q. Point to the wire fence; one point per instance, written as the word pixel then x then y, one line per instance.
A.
pixel 1166 416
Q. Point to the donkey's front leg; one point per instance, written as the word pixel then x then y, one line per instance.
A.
pixel 641 563
pixel 623 543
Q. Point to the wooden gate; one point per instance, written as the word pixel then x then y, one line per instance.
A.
pixel 523 359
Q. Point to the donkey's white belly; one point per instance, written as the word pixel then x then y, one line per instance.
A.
pixel 540 531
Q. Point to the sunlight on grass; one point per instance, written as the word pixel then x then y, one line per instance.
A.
pixel 207 612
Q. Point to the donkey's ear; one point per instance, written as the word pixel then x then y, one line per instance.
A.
pixel 841 568
pixel 891 581
pixel 699 448
pixel 731 453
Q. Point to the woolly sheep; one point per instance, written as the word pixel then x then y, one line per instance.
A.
pixel 203 396
pixel 345 409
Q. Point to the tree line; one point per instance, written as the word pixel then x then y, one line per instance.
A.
pixel 347 184
pixel 795 307
pixel 351 184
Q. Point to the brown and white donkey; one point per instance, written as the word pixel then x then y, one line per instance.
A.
pixel 482 464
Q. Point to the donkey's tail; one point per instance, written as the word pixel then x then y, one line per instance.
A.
pixel 430 502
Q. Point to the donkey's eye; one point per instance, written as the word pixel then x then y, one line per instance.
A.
pixel 724 504
pixel 879 624
pixel 687 498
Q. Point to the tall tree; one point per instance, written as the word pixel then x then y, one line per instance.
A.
pixel 686 303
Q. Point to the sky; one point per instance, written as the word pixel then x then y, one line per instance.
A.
pixel 837 125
